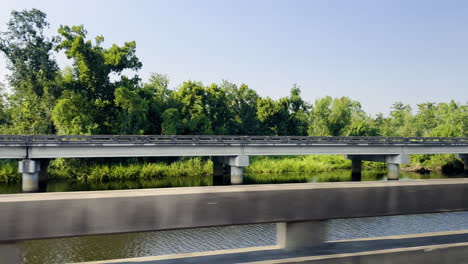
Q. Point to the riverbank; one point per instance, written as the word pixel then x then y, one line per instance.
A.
pixel 98 171
pixel 447 163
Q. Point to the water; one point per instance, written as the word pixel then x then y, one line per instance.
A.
pixel 203 239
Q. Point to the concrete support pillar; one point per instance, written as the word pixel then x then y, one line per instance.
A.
pixel 301 235
pixel 237 175
pixel 30 170
pixel 10 253
pixel 393 171
pixel 237 168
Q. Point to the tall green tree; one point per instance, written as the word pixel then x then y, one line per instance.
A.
pixel 156 91
pixel 451 120
pixel 298 120
pixel 330 116
pixel 242 101
pixel 192 98
pixel 273 116
pixel 33 72
pixel 93 67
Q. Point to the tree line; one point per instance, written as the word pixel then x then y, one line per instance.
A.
pixel 102 93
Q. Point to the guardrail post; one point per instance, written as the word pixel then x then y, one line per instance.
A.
pixel 10 253
pixel 30 170
pixel 237 168
pixel 301 235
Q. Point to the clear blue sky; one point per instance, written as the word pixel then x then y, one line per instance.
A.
pixel 377 52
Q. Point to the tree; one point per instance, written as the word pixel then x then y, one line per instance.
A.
pixel 90 80
pixel 242 101
pixel 361 124
pixel 160 99
pixel 451 120
pixel 330 116
pixel 74 115
pixel 171 124
pixel 273 116
pixel 33 72
pixel 192 98
pixel 401 122
pixel 298 120
pixel 218 110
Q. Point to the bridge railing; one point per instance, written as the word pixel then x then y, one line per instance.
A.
pixel 223 139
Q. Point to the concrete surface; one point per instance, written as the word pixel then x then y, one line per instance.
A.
pixel 47 215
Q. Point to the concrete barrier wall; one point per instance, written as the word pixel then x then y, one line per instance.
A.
pixel 46 215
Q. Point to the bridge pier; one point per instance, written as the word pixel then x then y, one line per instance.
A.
pixel 301 235
pixel 30 170
pixel 393 171
pixel 393 163
pixel 237 165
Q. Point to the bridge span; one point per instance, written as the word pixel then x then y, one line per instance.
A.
pixel 231 152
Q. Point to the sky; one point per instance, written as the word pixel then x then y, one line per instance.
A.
pixel 374 51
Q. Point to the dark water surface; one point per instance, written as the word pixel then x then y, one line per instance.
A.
pixel 90 248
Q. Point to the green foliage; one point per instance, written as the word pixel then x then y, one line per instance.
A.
pixel 171 124
pixel 273 116
pixel 106 101
pixel 445 162
pixel 9 172
pixel 101 93
pixel 33 73
pixel 83 171
pixel 306 164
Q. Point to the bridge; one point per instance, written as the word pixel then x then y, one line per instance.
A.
pixel 301 212
pixel 226 151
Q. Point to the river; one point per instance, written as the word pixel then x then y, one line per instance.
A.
pixel 102 247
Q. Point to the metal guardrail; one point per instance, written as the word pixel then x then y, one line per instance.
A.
pixel 202 139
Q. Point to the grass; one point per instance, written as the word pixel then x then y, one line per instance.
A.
pixel 304 164
pixel 105 172
pixel 446 163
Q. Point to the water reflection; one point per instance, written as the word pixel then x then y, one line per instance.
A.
pixel 89 248
pixel 336 176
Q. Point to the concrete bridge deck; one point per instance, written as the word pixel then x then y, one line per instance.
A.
pixel 56 146
pixel 229 153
